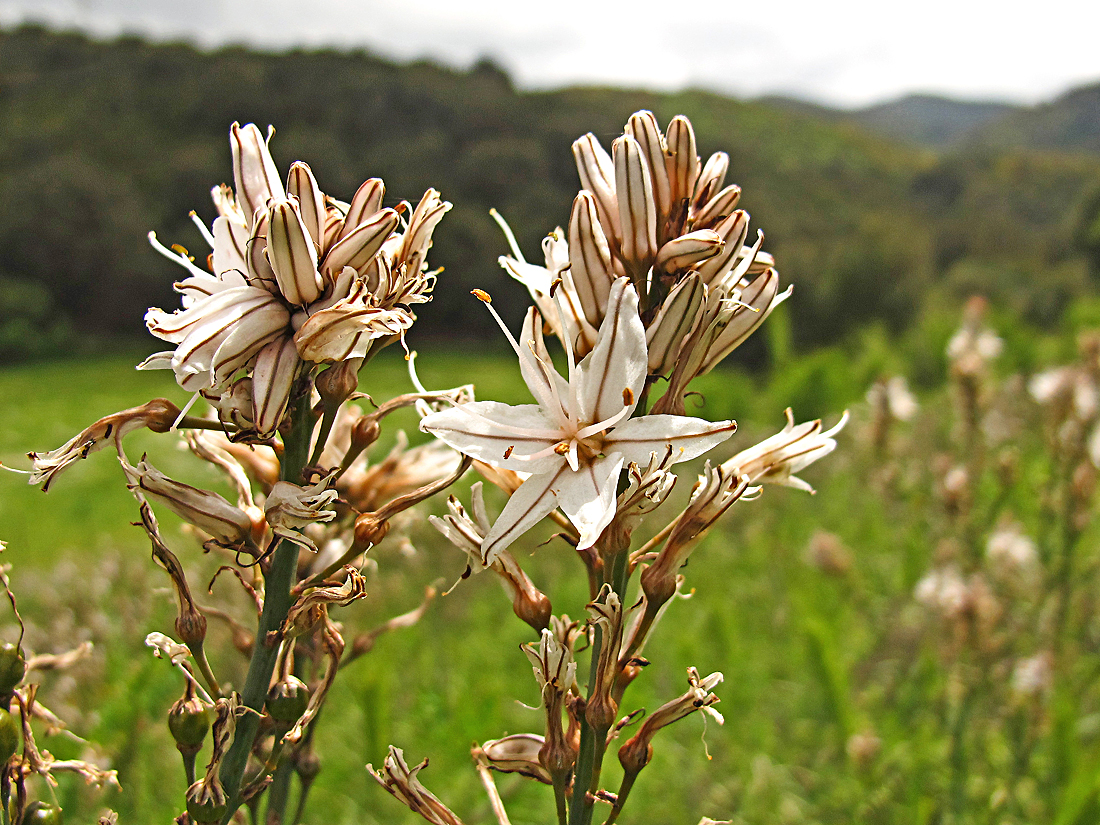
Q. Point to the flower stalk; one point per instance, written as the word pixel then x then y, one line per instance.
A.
pixel 277 602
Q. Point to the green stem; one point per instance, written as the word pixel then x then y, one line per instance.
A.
pixel 594 742
pixel 278 794
pixel 189 764
pixel 587 754
pixel 277 602
pixel 620 799
pixel 300 808
pixel 560 781
pixel 198 651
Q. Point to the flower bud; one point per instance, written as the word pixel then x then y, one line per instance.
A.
pixel 9 736
pixel 229 525
pixel 206 803
pixel 518 753
pixel 287 700
pixel 42 813
pixel 189 722
pixel 13 666
pixel 688 250
pixel 336 384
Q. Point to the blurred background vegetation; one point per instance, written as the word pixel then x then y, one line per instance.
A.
pixel 883 218
pixel 847 700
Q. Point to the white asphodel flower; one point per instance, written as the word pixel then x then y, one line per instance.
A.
pixel 576 440
pixel 295 278
pixel 776 459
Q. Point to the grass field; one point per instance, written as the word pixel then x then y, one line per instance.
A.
pixel 845 700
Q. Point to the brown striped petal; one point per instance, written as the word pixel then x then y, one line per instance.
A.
pixel 682 161
pixel 644 129
pixel 710 179
pixel 302 185
pixel 597 173
pixel 254 173
pixel 367 201
pixel 363 243
pixel 687 250
pixel 718 207
pixel 590 258
pixel 292 254
pixel 637 208
pixel 273 377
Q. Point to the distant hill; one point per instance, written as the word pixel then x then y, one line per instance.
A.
pixel 930 120
pixel 1069 123
pixel 921 120
pixel 103 141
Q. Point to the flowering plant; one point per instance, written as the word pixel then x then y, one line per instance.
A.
pixel 653 284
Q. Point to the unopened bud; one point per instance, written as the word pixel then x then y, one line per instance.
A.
pixel 9 736
pixel 336 384
pixel 287 700
pixel 13 666
pixel 687 250
pixel 307 766
pixel 42 813
pixel 189 722
pixel 191 626
pixel 206 803
pixel 369 531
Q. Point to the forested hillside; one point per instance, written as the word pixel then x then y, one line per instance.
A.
pixel 103 141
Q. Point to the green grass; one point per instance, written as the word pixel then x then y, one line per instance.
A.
pixel 810 659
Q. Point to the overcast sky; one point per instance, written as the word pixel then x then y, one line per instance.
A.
pixel 845 52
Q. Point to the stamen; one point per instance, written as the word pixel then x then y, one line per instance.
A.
pixel 195 219
pixel 508 236
pixel 556 449
pixel 606 424
pixel 177 258
pixel 412 373
pixel 544 401
pixel 183 412
pixel 4 466
pixel 566 345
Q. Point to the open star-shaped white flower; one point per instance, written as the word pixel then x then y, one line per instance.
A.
pixel 576 440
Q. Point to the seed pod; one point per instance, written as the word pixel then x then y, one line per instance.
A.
pixel 287 700
pixel 12 667
pixel 9 736
pixel 189 722
pixel 42 813
pixel 206 804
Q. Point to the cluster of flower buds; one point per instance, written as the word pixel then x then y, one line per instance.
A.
pixel 296 278
pixel 652 212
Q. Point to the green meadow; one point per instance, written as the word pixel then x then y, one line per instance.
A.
pixel 845 698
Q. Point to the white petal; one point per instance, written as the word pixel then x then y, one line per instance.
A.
pixel 254 173
pixel 487 430
pixel 637 438
pixel 613 374
pixel 535 499
pixel 587 496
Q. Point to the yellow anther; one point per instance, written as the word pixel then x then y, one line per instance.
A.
pixel 481 295
pixel 628 396
pixel 561 449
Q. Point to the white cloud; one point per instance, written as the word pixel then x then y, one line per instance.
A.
pixel 848 51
